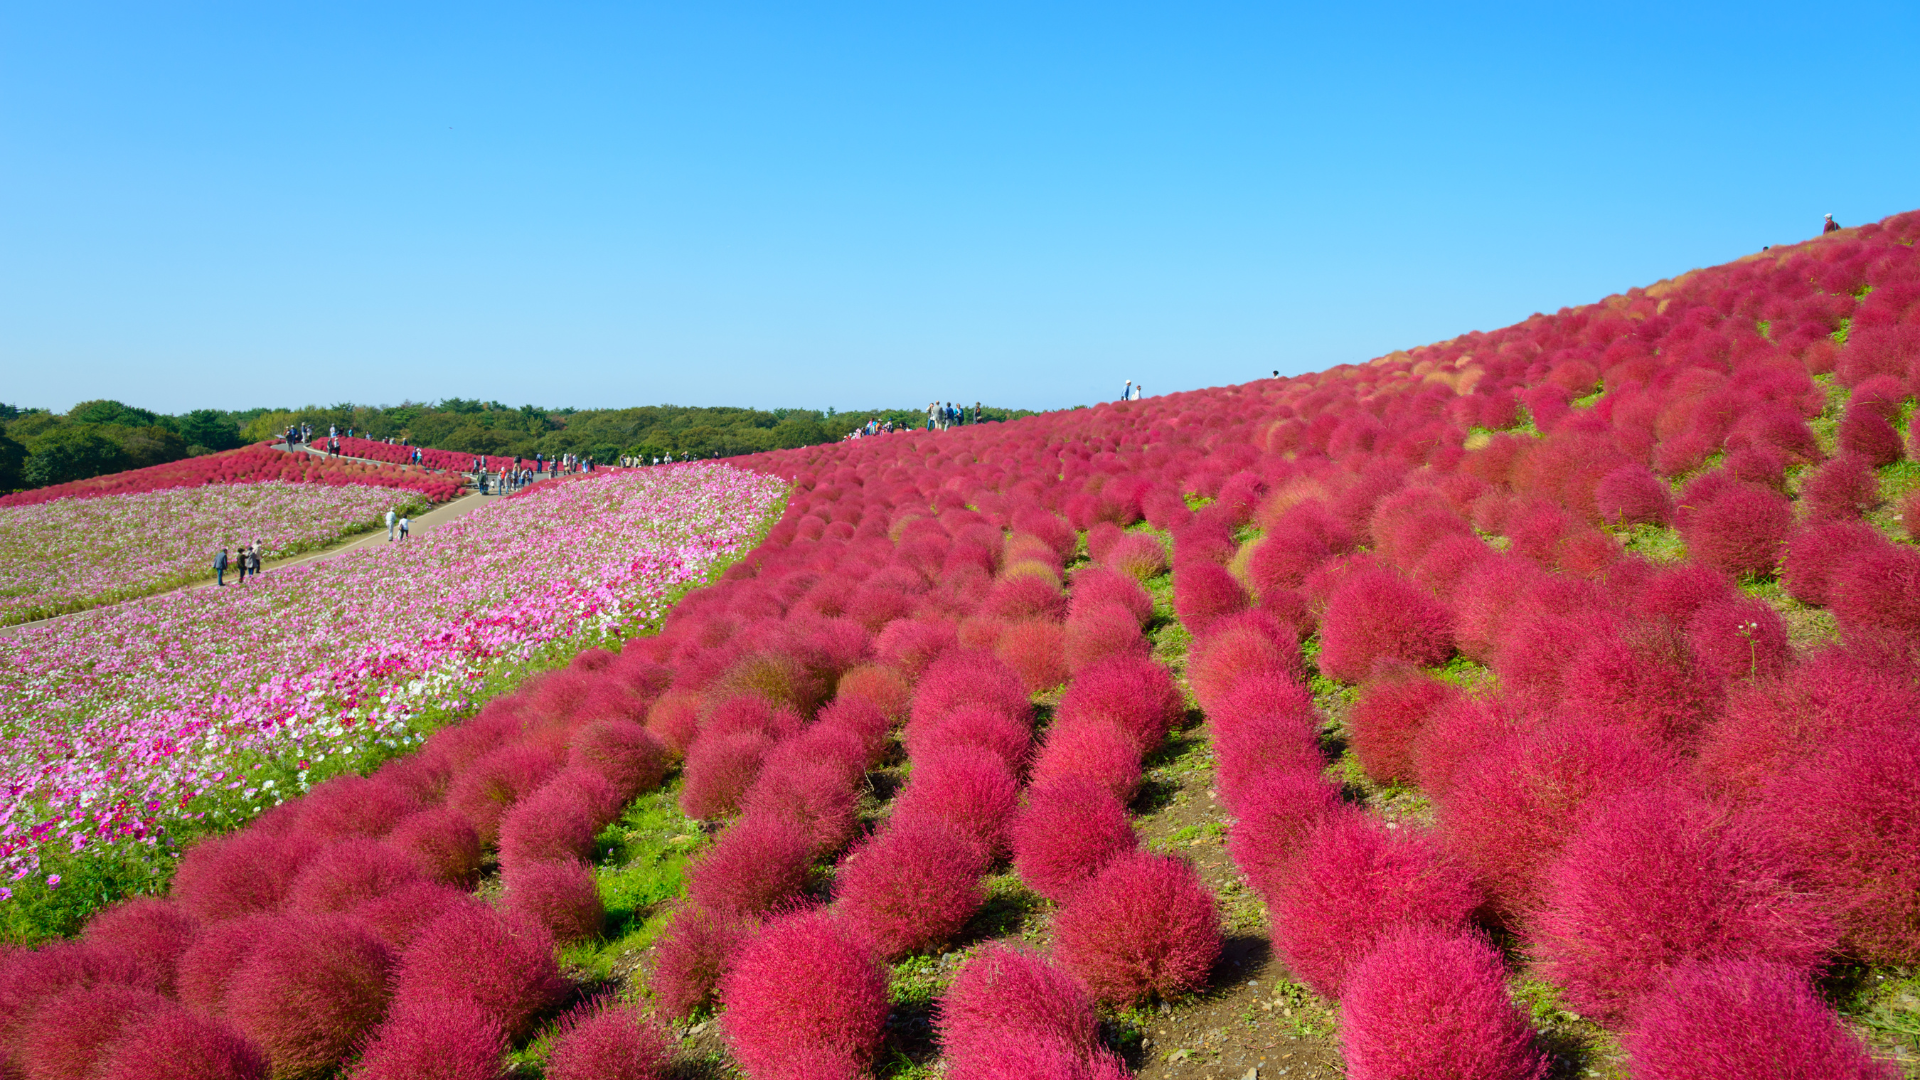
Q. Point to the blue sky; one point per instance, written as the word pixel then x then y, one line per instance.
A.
pixel 852 205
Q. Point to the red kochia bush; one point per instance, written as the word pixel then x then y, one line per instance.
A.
pixel 497 781
pixel 612 1043
pixel 1744 1018
pixel 1841 490
pixel 1144 925
pixel 622 752
pixel 1069 830
pixel 1094 586
pixel 1264 725
pixel 174 1044
pixel 1852 817
pixel 1356 882
pixel 1036 650
pixel 1388 714
pixel 1516 803
pixel 349 873
pixel 1647 679
pixel 912 886
pixel 399 916
pixel 69 1034
pixel 1375 615
pixel 1092 750
pixel 1815 550
pixel 1877 590
pixel 1430 1004
pixel 1249 643
pixel 1135 694
pixel 1273 816
pixel 810 780
pixel 559 895
pixel 443 844
pixel 694 953
pixel 500 964
pixel 354 806
pixel 1868 436
pixel 1658 877
pixel 1631 494
pixel 971 725
pixel 1741 531
pixel 228 876
pixel 720 768
pixel 1740 639
pixel 309 990
pixel 1097 632
pixel 444 1040
pixel 805 998
pixel 1203 592
pixel 153 932
pixel 964 677
pixel 1004 997
pixel 208 964
pixel 559 820
pixel 759 863
pixel 1138 556
pixel 966 787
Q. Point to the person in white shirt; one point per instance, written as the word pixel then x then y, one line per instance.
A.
pixel 392 518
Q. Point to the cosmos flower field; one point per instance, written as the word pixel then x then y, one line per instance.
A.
pixel 72 554
pixel 1579 658
pixel 119 718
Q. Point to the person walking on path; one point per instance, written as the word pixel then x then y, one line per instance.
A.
pixel 403 526
pixel 391 518
pixel 1830 226
pixel 254 555
pixel 240 562
pixel 220 567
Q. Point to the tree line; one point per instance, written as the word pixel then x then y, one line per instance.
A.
pixel 94 438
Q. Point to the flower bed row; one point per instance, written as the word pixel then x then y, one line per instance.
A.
pixel 123 722
pixel 247 465
pixel 1680 809
pixel 374 449
pixel 78 553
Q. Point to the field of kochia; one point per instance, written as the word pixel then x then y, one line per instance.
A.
pixel 1552 696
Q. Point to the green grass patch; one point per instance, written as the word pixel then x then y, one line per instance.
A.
pixel 1657 543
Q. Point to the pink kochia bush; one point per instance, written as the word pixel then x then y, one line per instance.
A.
pixel 176 1044
pixel 1657 878
pixel 912 886
pixel 1143 926
pixel 1069 830
pixel 447 1040
pixel 807 997
pixel 1388 714
pixel 503 965
pixel 1356 882
pixel 312 987
pixel 1377 615
pixel 1431 1004
pixel 1003 1002
pixel 1852 817
pixel 611 1043
pixel 1742 1018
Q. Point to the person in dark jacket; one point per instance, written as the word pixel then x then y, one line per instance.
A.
pixel 220 567
pixel 1830 226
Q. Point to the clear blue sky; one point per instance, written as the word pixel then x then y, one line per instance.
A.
pixel 850 205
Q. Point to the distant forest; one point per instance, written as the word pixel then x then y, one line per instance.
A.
pixel 98 437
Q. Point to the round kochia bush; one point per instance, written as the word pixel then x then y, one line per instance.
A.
pixel 1739 1019
pixel 1852 816
pixel 502 965
pixel 1144 925
pixel 1377 615
pixel 806 997
pixel 1659 877
pixel 309 990
pixel 176 1044
pixel 1356 882
pixel 912 886
pixel 1431 1004
pixel 1069 830
pixel 611 1043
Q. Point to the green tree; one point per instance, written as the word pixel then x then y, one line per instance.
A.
pixel 111 412
pixel 73 452
pixel 209 428
pixel 13 462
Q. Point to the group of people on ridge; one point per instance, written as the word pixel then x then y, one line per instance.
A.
pixel 246 560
